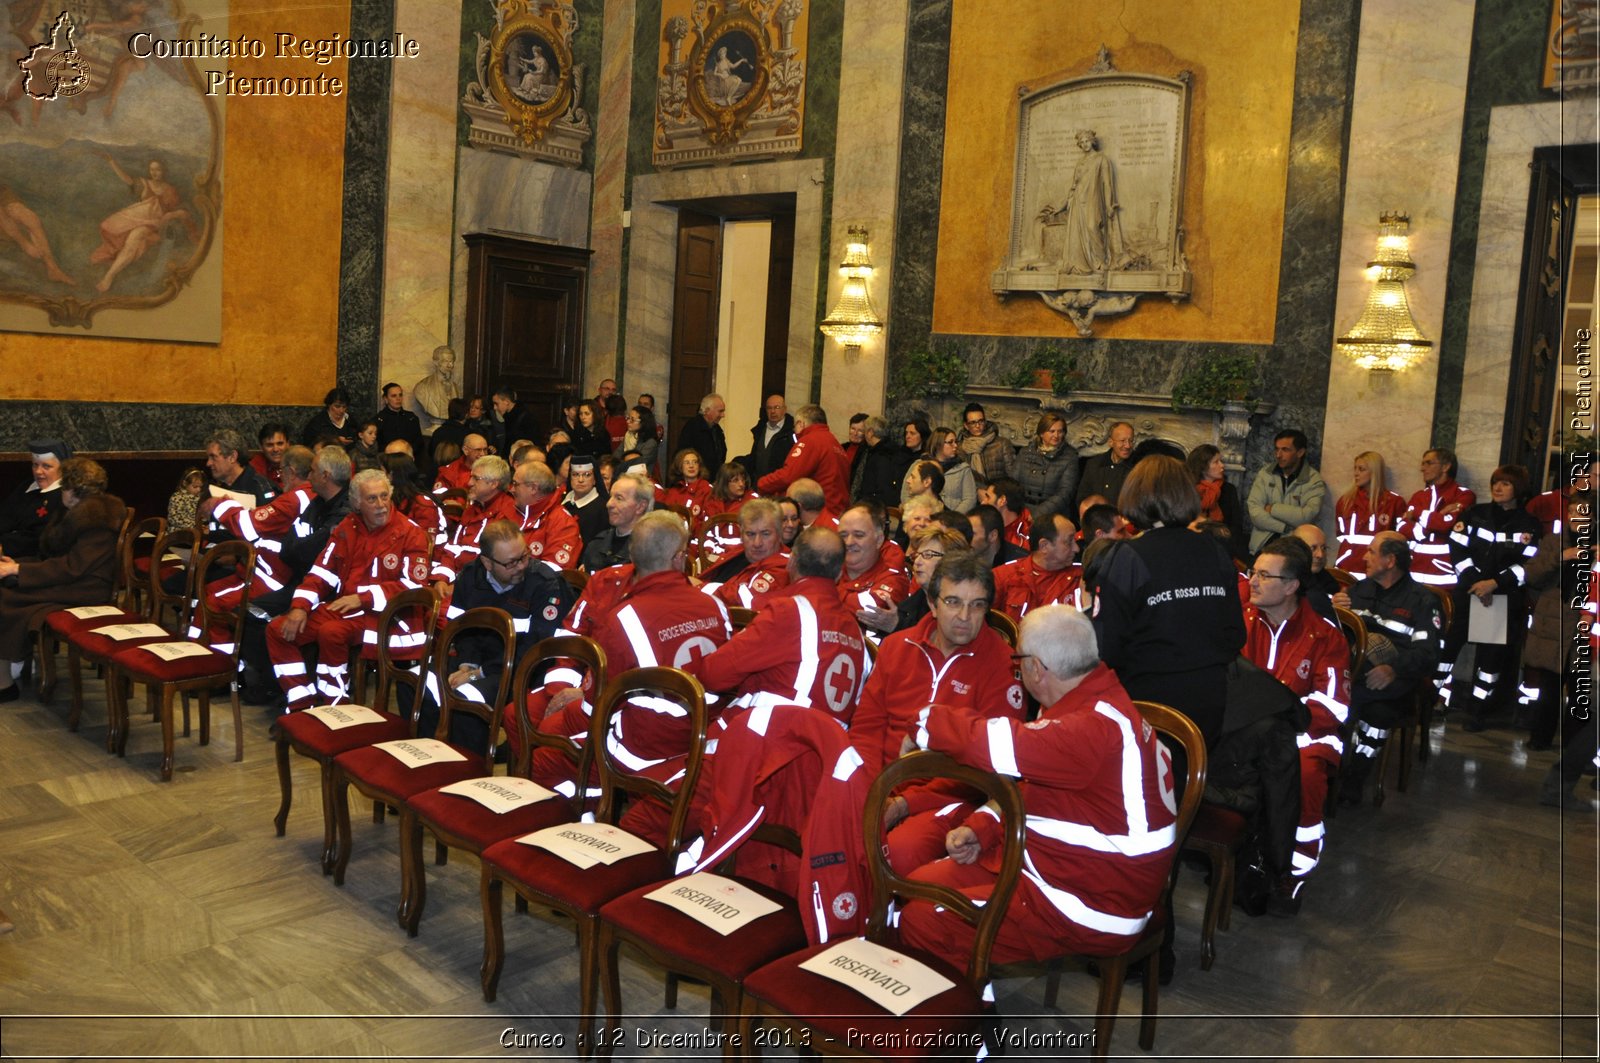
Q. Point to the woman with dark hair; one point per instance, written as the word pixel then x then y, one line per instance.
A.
pixel 411 497
pixel 960 491
pixel 478 418
pixel 730 491
pixel 640 436
pixel 1491 547
pixel 76 566
pixel 616 420
pixel 1167 607
pixel 915 436
pixel 590 436
pixel 333 421
pixel 1219 499
pixel 789 530
pixel 686 485
pixel 1047 468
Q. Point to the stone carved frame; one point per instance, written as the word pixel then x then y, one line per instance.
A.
pixel 547 122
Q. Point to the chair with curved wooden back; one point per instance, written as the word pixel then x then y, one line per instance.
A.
pixel 576 579
pixel 384 778
pixel 1177 727
pixel 311 735
pixel 548 881
pixel 717 538
pixel 1004 626
pixel 822 1012
pixel 458 822
pixel 204 667
pixel 740 617
pixel 60 625
pixel 1344 579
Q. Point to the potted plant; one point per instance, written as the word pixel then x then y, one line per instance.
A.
pixel 1047 367
pixel 1219 377
pixel 931 371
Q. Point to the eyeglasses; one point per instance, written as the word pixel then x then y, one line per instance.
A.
pixel 521 559
pixel 932 555
pixel 973 423
pixel 1256 573
pixel 956 605
pixel 1016 663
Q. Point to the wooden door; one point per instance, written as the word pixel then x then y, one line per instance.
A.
pixel 525 320
pixel 695 306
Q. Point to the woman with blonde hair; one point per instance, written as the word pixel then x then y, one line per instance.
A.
pixel 1368 508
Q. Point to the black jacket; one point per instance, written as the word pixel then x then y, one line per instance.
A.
pixel 606 549
pixel 1100 477
pixel 1408 615
pixel 707 440
pixel 399 424
pixel 881 472
pixel 763 459
pixel 23 516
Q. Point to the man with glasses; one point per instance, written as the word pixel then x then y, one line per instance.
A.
pixel 550 530
pixel 487 501
pixel 951 657
pixel 502 576
pixel 1104 473
pixel 1102 807
pixel 982 447
pixel 1286 638
pixel 1048 575
pixel 373 555
pixel 770 439
pixel 455 475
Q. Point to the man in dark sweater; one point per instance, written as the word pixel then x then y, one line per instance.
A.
pixel 703 434
pixel 1103 474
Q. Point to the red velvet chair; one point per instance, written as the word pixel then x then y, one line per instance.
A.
pixel 383 778
pixel 823 1013
pixel 310 737
pixel 199 675
pixel 458 822
pixel 544 879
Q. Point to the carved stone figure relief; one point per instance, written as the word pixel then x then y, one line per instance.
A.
pixel 526 99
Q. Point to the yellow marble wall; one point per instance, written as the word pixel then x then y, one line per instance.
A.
pixel 1242 55
pixel 283 171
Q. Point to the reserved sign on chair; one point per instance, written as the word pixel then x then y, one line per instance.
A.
pixel 587 844
pixel 894 982
pixel 173 651
pixel 718 902
pixel 418 752
pixel 338 717
pixel 500 793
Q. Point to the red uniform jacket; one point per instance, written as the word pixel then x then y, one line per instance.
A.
pixel 426 514
pixel 1017 532
pixel 911 673
pixel 377 565
pixel 1429 530
pixel 1102 806
pixel 1022 585
pixel 1308 655
pixel 1358 523
pixel 552 533
pixel 816 455
pixel 271 473
pixel 756 585
pixel 881 586
pixel 267 528
pixel 692 496
pixel 453 476
pixel 803 649
pixel 791 767
pixel 1550 509
pixel 462 548
pixel 716 507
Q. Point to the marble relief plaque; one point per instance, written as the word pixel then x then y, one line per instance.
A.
pixel 525 99
pixel 1097 195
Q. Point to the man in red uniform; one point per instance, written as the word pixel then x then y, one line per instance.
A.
pixel 1046 576
pixel 1102 807
pixel 816 454
pixel 374 554
pixel 951 657
pixel 266 528
pixel 814 512
pixel 1307 654
pixel 268 461
pixel 868 580
pixel 659 620
pixel 804 648
pixel 458 474
pixel 487 501
pixel 551 532
pixel 759 572
pixel 1550 508
pixel 1431 516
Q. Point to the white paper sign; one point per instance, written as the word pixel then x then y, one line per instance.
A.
pixel 720 903
pixel 172 651
pixel 124 632
pixel 338 717
pixel 89 612
pixel 248 501
pixel 890 980
pixel 1487 623
pixel 588 844
pixel 418 752
pixel 501 793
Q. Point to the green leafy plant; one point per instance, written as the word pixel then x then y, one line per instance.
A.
pixel 1217 378
pixel 933 372
pixel 1062 367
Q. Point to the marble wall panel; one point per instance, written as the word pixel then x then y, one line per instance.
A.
pixel 1406 159
pixel 421 167
pixel 607 236
pixel 864 180
pixel 653 252
pixel 1514 133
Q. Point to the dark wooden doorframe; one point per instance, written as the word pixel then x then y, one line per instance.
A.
pixel 696 307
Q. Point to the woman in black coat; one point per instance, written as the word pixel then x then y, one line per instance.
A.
pixel 77 564
pixel 1047 469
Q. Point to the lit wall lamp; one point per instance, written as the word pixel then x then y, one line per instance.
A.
pixel 1386 337
pixel 852 321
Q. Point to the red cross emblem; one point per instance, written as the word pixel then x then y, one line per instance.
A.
pixel 839 684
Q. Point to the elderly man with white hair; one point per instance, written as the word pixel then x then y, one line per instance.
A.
pixel 1102 806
